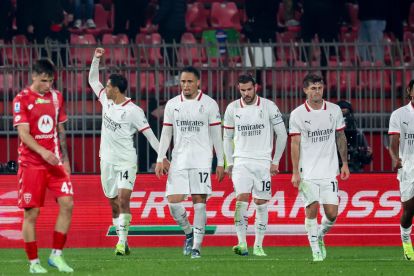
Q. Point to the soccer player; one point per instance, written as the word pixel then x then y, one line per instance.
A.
pixel 194 120
pixel 39 116
pixel 121 119
pixel 251 122
pixel 314 128
pixel 401 131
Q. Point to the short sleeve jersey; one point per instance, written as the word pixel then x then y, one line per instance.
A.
pixel 119 124
pixel 253 127
pixel 42 113
pixel 402 122
pixel 318 153
pixel 191 119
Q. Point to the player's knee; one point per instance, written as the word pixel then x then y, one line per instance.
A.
pixel 66 204
pixel 30 215
pixel 331 216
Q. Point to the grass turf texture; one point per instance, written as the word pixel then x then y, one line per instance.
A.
pixel 219 261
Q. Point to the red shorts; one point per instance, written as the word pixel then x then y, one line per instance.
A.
pixel 34 182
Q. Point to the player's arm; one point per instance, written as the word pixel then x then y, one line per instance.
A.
pixel 294 155
pixel 64 147
pixel 394 149
pixel 228 148
pixel 23 131
pixel 155 144
pixel 165 140
pixel 94 82
pixel 281 138
pixel 342 145
pixel 215 130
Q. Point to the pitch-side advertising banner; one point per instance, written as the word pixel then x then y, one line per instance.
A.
pixel 369 214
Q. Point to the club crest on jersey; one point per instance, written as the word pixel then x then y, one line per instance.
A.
pixel 261 114
pixel 330 117
pixel 17 107
pixel 45 123
pixel 27 197
pixel 201 109
pixel 123 115
pixel 17 118
pixel 30 106
pixel 41 101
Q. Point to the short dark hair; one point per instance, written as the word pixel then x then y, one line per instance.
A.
pixel 44 66
pixel 117 80
pixel 312 78
pixel 409 88
pixel 191 69
pixel 246 78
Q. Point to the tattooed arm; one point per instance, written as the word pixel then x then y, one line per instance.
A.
pixel 64 147
pixel 342 145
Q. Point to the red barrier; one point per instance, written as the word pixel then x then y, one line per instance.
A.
pixel 369 214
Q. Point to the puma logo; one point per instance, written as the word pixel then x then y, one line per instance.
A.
pixel 176 109
pixel 405 123
pixel 238 116
pixel 308 122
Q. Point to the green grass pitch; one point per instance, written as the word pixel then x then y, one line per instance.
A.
pixel 219 261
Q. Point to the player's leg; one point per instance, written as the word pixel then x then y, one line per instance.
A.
pixel 125 181
pixel 200 188
pixel 329 199
pixel 243 184
pixel 61 186
pixel 177 189
pixel 405 228
pixel 32 189
pixel 199 223
pixel 262 193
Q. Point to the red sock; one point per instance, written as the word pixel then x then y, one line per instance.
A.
pixel 31 250
pixel 59 240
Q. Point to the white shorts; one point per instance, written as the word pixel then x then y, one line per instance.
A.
pixel 406 177
pixel 252 176
pixel 325 191
pixel 189 181
pixel 115 177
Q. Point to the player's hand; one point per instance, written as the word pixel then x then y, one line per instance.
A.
pixel 166 165
pixel 159 169
pixel 219 173
pixel 398 164
pixel 295 179
pixel 66 166
pixel 49 157
pixel 345 171
pixel 274 169
pixel 229 170
pixel 99 52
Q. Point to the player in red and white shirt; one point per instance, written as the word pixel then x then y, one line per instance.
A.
pixel 194 120
pixel 39 116
pixel 401 131
pixel 251 122
pixel 121 119
pixel 317 134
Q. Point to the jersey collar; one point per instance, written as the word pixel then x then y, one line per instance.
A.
pixel 126 102
pixel 309 108
pixel 410 106
pixel 257 103
pixel 198 98
pixel 37 93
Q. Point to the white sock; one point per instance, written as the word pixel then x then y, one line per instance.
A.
pixel 260 223
pixel 56 252
pixel 179 214
pixel 115 223
pixel 123 225
pixel 406 234
pixel 35 261
pixel 325 226
pixel 311 226
pixel 241 220
pixel 199 225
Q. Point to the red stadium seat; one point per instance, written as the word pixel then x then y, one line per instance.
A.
pixel 225 15
pixel 20 54
pixel 190 52
pixel 102 20
pixel 196 18
pixel 145 82
pixel 286 49
pixel 341 79
pixel 118 49
pixel 371 77
pixel 151 53
pixel 6 82
pixel 82 48
pixel 353 15
pixel 348 50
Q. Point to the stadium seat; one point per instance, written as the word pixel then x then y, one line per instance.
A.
pixel 339 78
pixel 278 79
pixel 372 78
pixel 286 49
pixel 190 51
pixel 403 75
pixel 151 53
pixel 145 83
pixel 353 16
pixel 196 18
pixel 410 22
pixel 82 48
pixel 347 50
pixel 6 83
pixel 118 46
pixel 102 20
pixel 19 54
pixel 225 15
